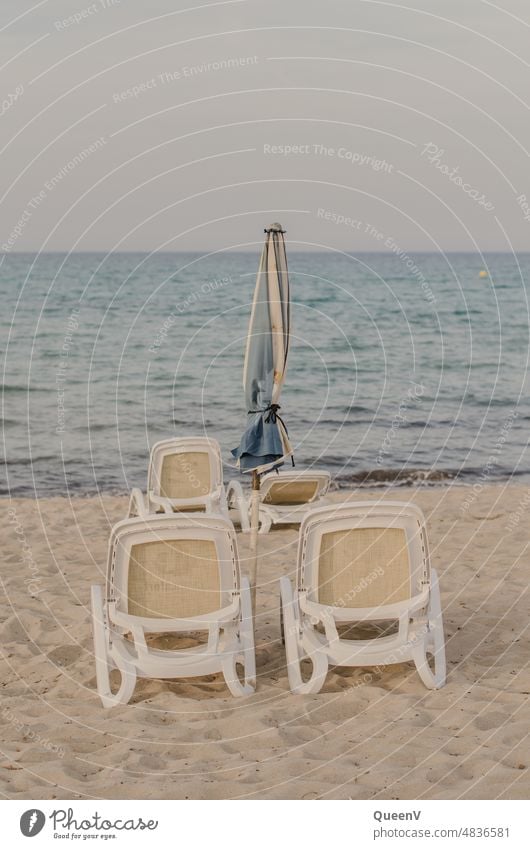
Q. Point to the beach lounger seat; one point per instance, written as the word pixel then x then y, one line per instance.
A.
pixel 186 475
pixel 169 575
pixel 365 563
pixel 286 497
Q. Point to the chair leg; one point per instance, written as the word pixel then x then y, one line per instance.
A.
pixel 425 672
pixel 265 523
pixel 232 679
pixel 247 654
pixel 235 500
pixel 291 625
pixel 103 668
pixel 247 634
pixel 243 514
pixel 436 628
pixel 434 643
pixel 137 504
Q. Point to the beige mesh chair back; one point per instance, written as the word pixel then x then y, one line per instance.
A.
pixel 286 497
pixel 186 475
pixel 363 567
pixel 357 563
pixel 172 574
pixel 291 492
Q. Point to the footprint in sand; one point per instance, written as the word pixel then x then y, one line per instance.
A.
pixel 65 655
pixel 490 720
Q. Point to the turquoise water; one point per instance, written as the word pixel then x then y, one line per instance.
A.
pixel 404 367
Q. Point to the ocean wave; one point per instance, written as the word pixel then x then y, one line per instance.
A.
pixel 402 477
pixel 16 387
pixel 344 422
pixel 30 461
pixel 415 477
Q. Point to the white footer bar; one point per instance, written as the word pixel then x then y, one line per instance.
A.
pixel 274 825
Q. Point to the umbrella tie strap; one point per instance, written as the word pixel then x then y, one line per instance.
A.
pixel 273 416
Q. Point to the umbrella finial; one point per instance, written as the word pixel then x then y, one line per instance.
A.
pixel 275 228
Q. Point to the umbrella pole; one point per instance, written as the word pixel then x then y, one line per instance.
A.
pixel 254 524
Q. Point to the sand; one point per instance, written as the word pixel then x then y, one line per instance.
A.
pixel 382 736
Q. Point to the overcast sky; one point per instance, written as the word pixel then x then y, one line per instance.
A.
pixel 190 125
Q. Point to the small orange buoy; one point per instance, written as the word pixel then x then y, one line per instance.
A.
pixel 483 273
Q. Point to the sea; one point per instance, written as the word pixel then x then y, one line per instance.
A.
pixel 404 368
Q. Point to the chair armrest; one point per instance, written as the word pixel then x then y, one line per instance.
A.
pixel 400 610
pixel 138 506
pixel 169 503
pixel 159 501
pixel 234 492
pixel 191 623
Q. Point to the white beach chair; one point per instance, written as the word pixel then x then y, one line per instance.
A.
pixel 363 562
pixel 186 475
pixel 171 574
pixel 286 497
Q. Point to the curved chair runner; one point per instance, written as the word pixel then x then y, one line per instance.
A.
pixel 186 475
pixel 177 573
pixel 286 497
pixel 363 562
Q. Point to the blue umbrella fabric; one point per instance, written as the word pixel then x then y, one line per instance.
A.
pixel 265 442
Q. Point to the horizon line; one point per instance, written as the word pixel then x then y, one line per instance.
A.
pixel 290 252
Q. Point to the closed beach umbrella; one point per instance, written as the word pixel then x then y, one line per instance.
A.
pixel 265 443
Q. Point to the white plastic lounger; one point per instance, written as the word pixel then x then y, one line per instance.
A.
pixel 186 475
pixel 172 574
pixel 363 562
pixel 286 497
